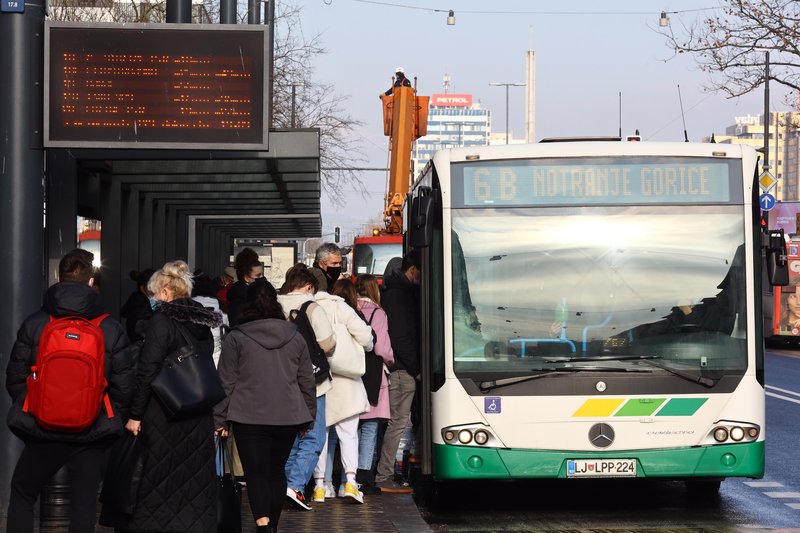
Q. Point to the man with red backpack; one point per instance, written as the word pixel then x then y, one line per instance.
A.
pixel 71 378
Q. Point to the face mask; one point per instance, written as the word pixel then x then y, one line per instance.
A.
pixel 153 303
pixel 334 272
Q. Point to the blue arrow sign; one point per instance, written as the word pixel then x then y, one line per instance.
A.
pixel 766 201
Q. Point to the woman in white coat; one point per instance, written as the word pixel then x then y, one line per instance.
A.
pixel 346 400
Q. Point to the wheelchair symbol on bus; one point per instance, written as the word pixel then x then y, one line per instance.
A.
pixel 492 405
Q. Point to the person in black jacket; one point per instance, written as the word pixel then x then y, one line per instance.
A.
pixel 400 80
pixel 137 311
pixel 248 269
pixel 399 300
pixel 177 491
pixel 47 451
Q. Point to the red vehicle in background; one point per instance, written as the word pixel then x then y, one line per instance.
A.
pixel 405 119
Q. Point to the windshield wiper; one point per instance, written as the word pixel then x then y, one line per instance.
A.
pixel 486 386
pixel 688 376
pixel 694 378
pixel 599 358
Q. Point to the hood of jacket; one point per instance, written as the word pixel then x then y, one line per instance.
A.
pixel 397 279
pixel 71 298
pixel 270 333
pixel 190 311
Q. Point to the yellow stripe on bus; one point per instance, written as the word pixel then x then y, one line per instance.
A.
pixel 601 407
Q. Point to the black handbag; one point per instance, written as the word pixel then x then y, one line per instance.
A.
pixel 373 373
pixel 123 475
pixel 229 494
pixel 188 382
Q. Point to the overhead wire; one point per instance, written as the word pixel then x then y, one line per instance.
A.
pixel 525 12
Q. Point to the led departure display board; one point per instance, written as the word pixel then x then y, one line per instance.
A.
pixel 156 86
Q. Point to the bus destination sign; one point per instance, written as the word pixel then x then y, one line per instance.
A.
pixel 533 183
pixel 155 86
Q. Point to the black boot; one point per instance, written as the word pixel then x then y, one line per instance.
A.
pixel 366 479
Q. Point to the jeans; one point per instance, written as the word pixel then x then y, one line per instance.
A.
pixel 40 460
pixel 402 387
pixel 305 451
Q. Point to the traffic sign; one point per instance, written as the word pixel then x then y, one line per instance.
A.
pixel 12 6
pixel 766 201
pixel 766 181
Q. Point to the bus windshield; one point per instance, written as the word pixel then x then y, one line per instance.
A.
pixel 373 258
pixel 533 285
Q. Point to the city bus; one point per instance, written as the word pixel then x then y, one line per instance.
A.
pixel 591 310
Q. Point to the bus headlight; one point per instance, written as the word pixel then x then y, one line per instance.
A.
pixel 732 432
pixel 476 434
pixel 721 434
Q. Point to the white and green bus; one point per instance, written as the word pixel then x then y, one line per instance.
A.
pixel 591 309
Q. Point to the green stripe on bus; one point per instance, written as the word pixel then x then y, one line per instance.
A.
pixel 681 407
pixel 640 407
pixel 473 462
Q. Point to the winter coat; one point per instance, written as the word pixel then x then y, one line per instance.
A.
pixel 135 310
pixel 237 298
pixel 61 300
pixel 267 374
pixel 383 348
pixel 347 396
pixel 399 300
pixel 177 492
pixel 319 323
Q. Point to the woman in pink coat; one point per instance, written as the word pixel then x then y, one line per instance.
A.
pixel 369 297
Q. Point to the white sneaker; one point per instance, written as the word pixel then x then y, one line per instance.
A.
pixel 329 492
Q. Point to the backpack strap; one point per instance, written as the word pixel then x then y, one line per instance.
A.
pixel 369 322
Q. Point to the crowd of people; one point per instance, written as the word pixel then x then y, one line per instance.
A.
pixel 283 410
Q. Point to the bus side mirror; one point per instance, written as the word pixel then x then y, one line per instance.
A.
pixel 777 261
pixel 420 227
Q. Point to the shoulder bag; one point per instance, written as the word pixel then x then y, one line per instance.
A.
pixel 188 382
pixel 348 355
pixel 373 372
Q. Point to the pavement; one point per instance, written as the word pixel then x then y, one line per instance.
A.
pixel 382 513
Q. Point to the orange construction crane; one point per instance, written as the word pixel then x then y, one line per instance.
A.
pixel 405 119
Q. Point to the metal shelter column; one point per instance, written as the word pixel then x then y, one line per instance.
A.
pixel 21 194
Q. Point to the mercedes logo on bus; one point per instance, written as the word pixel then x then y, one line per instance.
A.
pixel 601 435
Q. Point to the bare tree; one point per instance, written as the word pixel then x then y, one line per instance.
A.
pixel 730 44
pixel 302 102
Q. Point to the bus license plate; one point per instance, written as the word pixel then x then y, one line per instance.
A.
pixel 601 467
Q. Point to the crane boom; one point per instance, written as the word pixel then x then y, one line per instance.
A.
pixel 405 119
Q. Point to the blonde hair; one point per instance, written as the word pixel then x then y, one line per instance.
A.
pixel 367 285
pixel 175 276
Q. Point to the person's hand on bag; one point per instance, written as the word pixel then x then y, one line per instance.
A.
pixel 134 426
pixel 221 432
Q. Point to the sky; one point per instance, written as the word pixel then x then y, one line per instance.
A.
pixel 587 52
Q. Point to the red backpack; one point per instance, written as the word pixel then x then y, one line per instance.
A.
pixel 67 383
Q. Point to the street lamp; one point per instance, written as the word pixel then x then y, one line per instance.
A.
pixel 506 85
